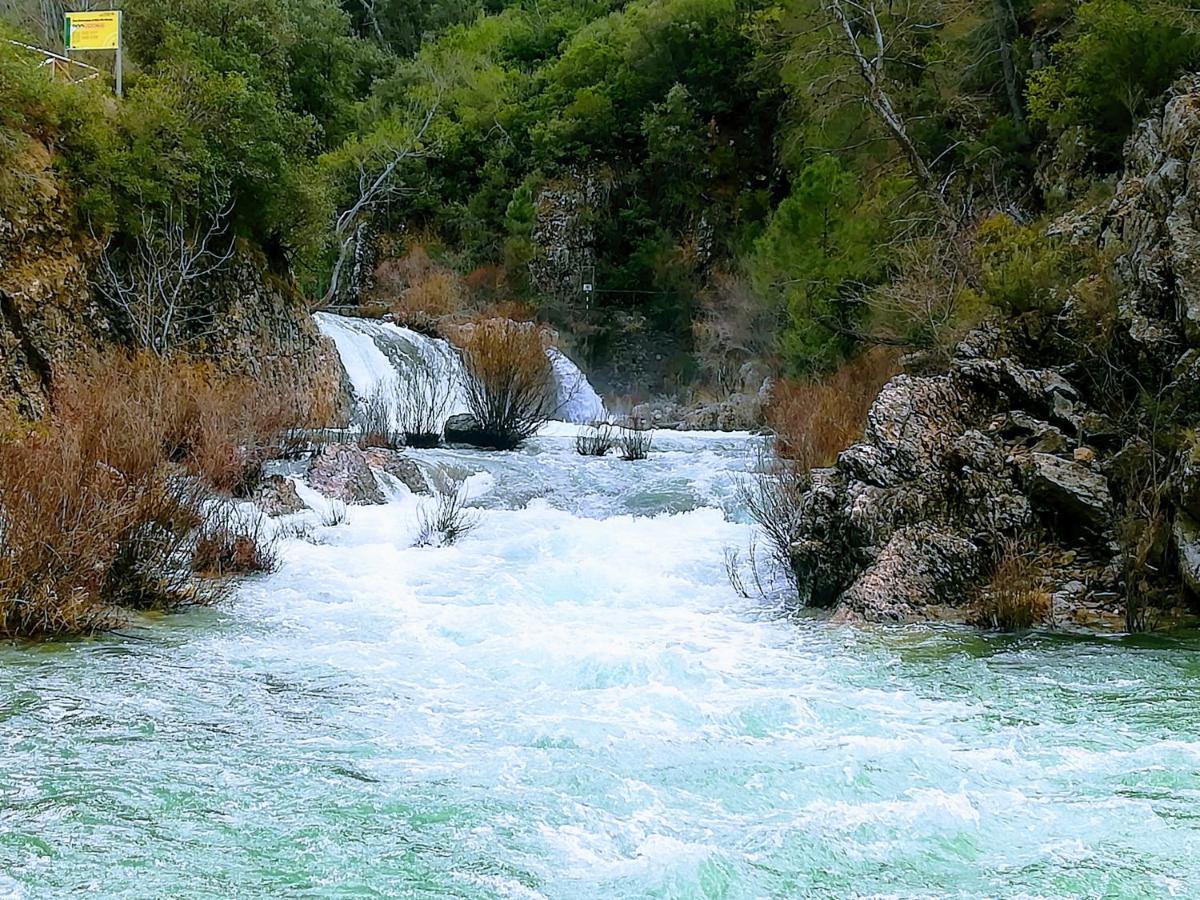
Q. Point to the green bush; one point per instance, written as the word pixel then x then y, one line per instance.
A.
pixel 1118 57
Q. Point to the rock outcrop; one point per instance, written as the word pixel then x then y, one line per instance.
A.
pixel 953 466
pixel 51 319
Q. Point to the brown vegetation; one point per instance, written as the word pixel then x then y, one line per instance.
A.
pixel 816 419
pixel 103 505
pixel 1015 597
pixel 509 383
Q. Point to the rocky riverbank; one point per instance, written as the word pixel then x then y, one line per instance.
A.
pixel 1022 442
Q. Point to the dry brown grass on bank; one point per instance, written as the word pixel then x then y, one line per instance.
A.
pixel 102 504
pixel 816 419
pixel 509 383
pixel 1014 597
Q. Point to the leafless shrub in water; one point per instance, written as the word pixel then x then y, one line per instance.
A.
pixel 446 520
pixel 595 439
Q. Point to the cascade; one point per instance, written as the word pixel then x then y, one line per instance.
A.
pixel 380 355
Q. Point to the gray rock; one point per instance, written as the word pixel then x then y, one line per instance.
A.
pixel 1186 533
pixel 1072 491
pixel 400 467
pixel 919 567
pixel 277 496
pixel 738 412
pixel 1187 479
pixel 465 429
pixel 340 471
pixel 658 414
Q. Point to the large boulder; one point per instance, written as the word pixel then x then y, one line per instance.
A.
pixel 466 429
pixel 1075 494
pixel 919 568
pixel 340 471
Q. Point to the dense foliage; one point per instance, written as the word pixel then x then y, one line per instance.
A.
pixel 724 165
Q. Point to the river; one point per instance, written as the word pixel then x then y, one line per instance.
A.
pixel 573 702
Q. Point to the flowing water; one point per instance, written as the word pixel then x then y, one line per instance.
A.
pixel 572 702
pixel 379 356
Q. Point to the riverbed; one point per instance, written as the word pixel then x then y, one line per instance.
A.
pixel 572 701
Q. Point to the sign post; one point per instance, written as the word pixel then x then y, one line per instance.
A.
pixel 99 30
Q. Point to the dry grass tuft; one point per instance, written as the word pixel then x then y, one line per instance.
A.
pixel 816 419
pixel 447 520
pixel 596 439
pixel 634 442
pixel 1014 598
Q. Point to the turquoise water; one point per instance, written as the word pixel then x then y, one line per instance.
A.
pixel 573 703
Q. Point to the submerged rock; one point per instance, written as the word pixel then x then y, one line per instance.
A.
pixel 340 471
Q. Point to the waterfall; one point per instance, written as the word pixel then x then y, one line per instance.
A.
pixel 577 399
pixel 382 356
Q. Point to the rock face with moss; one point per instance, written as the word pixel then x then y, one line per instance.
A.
pixel 1079 445
pixel 256 323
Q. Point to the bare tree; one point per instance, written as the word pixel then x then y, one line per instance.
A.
pixel 154 282
pixel 871 47
pixel 375 184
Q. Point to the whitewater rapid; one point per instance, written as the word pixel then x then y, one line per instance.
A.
pixel 572 702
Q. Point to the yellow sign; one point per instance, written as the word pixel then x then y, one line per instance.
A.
pixel 93 30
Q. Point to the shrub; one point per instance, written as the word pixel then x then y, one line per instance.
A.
pixel 335 515
pixel 595 440
pixel 423 403
pixel 774 496
pixel 447 520
pixel 509 384
pixel 816 419
pixel 373 418
pixel 105 505
pixel 635 442
pixel 1014 598
pixel 417 291
pixel 233 543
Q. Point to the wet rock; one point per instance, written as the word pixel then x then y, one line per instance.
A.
pixel 1073 492
pixel 465 429
pixel 400 467
pixel 277 496
pixel 340 471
